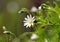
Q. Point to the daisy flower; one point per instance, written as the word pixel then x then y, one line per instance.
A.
pixel 29 21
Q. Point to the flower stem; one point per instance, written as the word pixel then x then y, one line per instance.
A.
pixel 7 38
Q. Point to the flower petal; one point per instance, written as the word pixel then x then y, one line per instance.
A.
pixel 33 17
pixel 33 20
pixel 25 24
pixel 28 16
pixel 29 25
pixel 26 19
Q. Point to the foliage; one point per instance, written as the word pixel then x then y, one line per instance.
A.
pixel 48 24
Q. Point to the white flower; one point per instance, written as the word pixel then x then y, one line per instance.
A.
pixel 46 40
pixel 29 21
pixel 39 8
pixel 34 36
pixel 33 9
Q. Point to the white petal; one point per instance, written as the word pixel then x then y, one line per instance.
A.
pixel 29 25
pixel 33 20
pixel 26 19
pixel 25 24
pixel 28 16
pixel 33 17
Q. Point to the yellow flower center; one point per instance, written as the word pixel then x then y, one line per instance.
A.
pixel 30 21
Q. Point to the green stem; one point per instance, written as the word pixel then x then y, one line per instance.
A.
pixel 53 10
pixel 7 38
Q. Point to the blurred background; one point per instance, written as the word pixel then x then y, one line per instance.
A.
pixel 11 19
pixel 9 16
